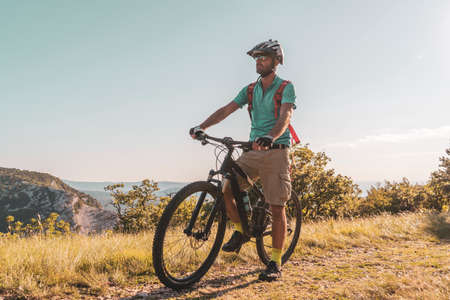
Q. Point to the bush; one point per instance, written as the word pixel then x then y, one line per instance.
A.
pixel 321 192
pixel 139 209
pixel 50 226
pixel 396 197
pixel 440 184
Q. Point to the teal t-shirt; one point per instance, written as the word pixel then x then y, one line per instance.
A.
pixel 263 111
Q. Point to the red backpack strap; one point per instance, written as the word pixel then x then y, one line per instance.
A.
pixel 250 89
pixel 294 135
pixel 277 101
pixel 279 95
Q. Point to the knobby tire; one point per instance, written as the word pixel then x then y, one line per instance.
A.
pixel 180 281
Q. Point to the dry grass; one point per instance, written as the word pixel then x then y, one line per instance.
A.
pixel 384 257
pixel 70 265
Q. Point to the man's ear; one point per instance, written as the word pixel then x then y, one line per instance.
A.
pixel 276 62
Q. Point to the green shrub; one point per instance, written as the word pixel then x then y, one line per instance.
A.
pixel 138 209
pixel 321 192
pixel 50 226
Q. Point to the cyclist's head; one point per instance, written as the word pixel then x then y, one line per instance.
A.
pixel 268 49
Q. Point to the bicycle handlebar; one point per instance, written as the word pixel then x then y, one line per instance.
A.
pixel 227 141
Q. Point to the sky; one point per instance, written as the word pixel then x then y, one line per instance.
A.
pixel 107 90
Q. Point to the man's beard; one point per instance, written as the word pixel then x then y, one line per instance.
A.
pixel 264 72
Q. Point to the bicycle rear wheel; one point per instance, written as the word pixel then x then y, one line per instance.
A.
pixel 294 222
pixel 181 259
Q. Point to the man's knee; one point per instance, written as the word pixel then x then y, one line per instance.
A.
pixel 226 190
pixel 277 211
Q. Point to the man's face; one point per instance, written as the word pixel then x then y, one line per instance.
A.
pixel 264 65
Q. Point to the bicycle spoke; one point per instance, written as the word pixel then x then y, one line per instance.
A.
pixel 183 254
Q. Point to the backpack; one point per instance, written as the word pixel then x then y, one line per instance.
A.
pixel 276 100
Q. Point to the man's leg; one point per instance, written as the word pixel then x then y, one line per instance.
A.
pixel 277 190
pixel 249 162
pixel 230 204
pixel 273 270
pixel 279 227
pixel 237 239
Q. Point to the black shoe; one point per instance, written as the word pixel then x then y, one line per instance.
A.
pixel 235 243
pixel 273 272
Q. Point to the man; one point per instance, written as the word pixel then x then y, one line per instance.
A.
pixel 269 158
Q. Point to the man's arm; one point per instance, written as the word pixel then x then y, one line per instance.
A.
pixel 283 121
pixel 220 115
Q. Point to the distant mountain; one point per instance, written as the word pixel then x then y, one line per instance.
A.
pixel 103 197
pixel 100 186
pixel 25 194
pixel 97 186
pixel 96 189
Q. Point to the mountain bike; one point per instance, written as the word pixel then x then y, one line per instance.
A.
pixel 191 230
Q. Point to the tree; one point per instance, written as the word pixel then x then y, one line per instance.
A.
pixel 321 192
pixel 395 197
pixel 140 209
pixel 440 183
pixel 136 207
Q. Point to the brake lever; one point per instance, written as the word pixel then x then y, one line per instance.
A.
pixel 246 147
pixel 202 138
pixel 227 139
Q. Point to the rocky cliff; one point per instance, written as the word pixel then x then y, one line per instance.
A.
pixel 24 194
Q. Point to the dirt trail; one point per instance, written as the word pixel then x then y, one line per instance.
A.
pixel 405 270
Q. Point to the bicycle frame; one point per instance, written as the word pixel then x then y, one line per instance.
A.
pixel 229 170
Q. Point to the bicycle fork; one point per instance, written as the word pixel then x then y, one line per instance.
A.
pixel 204 234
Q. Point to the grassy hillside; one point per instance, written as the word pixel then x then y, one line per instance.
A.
pixel 384 257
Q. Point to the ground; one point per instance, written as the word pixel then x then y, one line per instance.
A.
pixel 407 270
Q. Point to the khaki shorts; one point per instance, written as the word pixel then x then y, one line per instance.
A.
pixel 272 167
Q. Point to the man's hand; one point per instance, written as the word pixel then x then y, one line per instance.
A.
pixel 263 142
pixel 196 132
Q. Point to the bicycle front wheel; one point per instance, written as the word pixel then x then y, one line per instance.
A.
pixel 181 257
pixel 294 221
